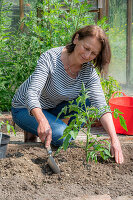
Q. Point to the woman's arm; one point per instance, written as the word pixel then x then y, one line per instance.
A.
pixel 33 93
pixel 44 130
pixel 37 82
pixel 108 125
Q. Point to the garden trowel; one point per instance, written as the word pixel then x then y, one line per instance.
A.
pixel 51 162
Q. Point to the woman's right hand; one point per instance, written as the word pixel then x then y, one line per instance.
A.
pixel 44 132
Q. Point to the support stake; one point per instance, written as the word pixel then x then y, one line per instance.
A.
pixel 21 6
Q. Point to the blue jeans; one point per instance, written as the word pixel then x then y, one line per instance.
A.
pixel 28 123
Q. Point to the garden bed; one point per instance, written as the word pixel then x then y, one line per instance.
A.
pixel 25 174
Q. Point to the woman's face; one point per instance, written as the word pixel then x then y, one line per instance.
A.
pixel 87 49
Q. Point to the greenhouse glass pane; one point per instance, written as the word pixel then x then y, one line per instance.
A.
pixel 93 3
pixel 117 37
pixel 13 13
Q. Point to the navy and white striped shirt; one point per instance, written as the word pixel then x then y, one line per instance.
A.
pixel 49 84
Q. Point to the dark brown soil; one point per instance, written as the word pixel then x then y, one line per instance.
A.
pixel 25 174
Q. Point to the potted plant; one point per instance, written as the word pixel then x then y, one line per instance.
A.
pixel 5 138
pixel 94 146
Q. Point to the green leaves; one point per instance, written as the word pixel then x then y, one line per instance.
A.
pixel 66 142
pixel 8 127
pixel 63 111
pixel 91 155
pixel 123 122
pixel 84 115
pixel 109 86
pixel 19 51
pixel 1 123
pixel 97 148
pixel 15 56
pixel 74 134
pixel 117 113
pixel 54 27
pixel 104 155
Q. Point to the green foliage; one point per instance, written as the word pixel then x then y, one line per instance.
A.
pixel 58 21
pixel 118 114
pixel 94 147
pixel 109 86
pixel 103 24
pixel 5 22
pixel 8 127
pixel 17 61
pixel 87 115
pixel 19 51
pixel 97 148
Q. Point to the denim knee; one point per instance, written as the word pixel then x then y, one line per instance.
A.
pixel 57 133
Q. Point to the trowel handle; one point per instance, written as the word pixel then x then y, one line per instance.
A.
pixel 49 150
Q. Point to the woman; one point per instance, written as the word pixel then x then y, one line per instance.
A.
pixel 57 79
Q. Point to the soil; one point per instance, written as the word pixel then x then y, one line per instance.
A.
pixel 25 174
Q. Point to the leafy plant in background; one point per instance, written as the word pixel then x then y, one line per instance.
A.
pixel 8 127
pixel 17 62
pixel 109 86
pixel 58 21
pixel 4 37
pixel 103 24
pixel 82 114
pixel 19 51
pixel 4 19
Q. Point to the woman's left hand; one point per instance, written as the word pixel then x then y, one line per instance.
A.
pixel 108 125
pixel 116 151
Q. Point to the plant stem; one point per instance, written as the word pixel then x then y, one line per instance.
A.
pixel 87 140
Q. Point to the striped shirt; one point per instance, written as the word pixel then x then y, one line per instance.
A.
pixel 50 84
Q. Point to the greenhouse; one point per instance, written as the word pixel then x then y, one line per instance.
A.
pixel 66 99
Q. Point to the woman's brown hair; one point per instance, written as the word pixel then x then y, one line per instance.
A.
pixel 104 57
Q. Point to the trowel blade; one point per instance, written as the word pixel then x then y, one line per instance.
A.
pixel 52 164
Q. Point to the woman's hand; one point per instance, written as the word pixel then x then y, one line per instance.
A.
pixel 44 132
pixel 116 151
pixel 108 125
